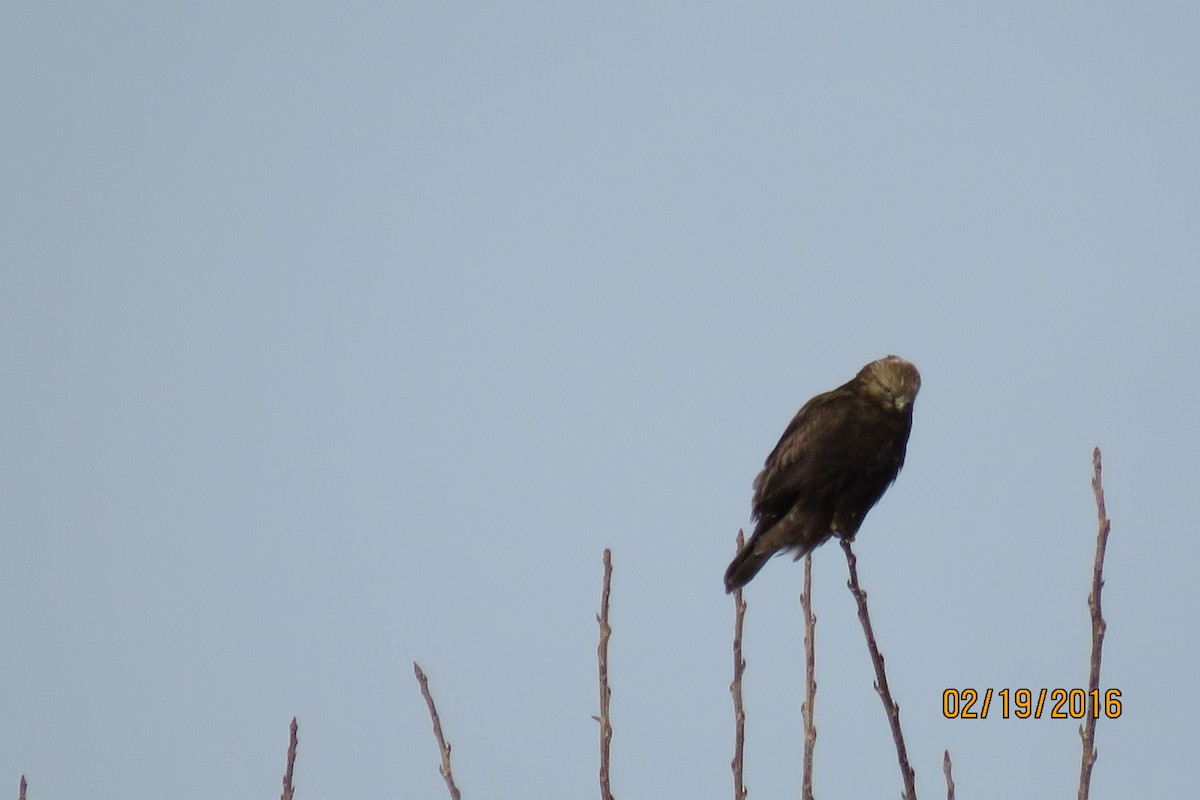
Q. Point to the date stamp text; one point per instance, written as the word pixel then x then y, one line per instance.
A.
pixel 1031 704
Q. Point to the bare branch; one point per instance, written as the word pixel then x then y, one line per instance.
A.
pixel 288 790
pixel 443 745
pixel 605 692
pixel 735 688
pixel 810 684
pixel 1087 731
pixel 881 685
pixel 946 768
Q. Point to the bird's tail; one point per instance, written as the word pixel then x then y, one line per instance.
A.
pixel 745 565
pixel 757 552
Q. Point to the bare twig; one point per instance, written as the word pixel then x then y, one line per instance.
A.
pixel 21 790
pixel 735 688
pixel 605 693
pixel 288 790
pixel 881 685
pixel 1087 731
pixel 810 683
pixel 946 768
pixel 443 745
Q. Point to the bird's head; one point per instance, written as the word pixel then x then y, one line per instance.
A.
pixel 891 380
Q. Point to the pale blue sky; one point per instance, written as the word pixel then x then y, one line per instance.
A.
pixel 336 336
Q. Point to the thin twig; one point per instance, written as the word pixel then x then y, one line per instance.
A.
pixel 1087 731
pixel 21 791
pixel 881 684
pixel 288 789
pixel 810 682
pixel 735 688
pixel 605 693
pixel 443 745
pixel 946 768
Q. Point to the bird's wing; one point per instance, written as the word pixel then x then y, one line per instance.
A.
pixel 800 458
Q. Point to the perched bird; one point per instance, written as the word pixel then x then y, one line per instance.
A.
pixel 835 460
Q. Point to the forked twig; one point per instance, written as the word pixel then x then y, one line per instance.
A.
pixel 443 745
pixel 810 683
pixel 605 692
pixel 1087 731
pixel 737 765
pixel 881 685
pixel 288 790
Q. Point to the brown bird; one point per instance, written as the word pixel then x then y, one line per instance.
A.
pixel 835 460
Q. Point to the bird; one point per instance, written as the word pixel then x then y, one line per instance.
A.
pixel 840 453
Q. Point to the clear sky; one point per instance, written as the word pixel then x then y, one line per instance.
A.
pixel 340 335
